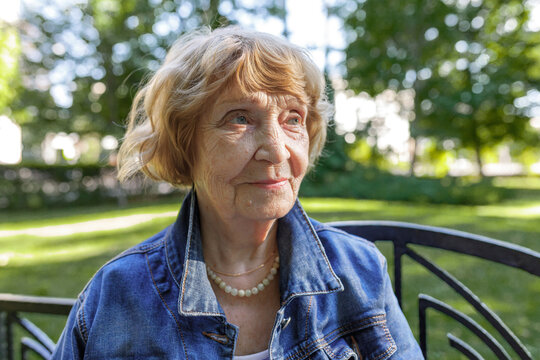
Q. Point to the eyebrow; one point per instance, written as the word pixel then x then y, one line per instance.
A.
pixel 255 100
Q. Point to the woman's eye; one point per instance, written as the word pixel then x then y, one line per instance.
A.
pixel 239 120
pixel 294 121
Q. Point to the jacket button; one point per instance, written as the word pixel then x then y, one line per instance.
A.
pixel 285 322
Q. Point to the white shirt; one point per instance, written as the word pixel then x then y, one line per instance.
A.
pixel 263 355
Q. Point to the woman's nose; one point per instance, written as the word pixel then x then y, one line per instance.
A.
pixel 272 147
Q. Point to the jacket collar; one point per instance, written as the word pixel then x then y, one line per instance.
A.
pixel 304 266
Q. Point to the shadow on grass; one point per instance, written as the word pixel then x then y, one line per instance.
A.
pixel 522 194
pixel 50 250
pixel 128 236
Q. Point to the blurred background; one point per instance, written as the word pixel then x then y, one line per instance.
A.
pixel 443 90
pixel 437 122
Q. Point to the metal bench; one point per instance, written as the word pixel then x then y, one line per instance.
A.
pixel 402 236
pixel 11 308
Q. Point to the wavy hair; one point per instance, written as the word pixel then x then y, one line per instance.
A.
pixel 160 137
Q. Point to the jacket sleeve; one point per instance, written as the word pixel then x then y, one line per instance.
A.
pixel 71 343
pixel 407 346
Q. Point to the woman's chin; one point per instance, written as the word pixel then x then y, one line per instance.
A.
pixel 267 206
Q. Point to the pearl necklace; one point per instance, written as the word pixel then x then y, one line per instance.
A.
pixel 244 292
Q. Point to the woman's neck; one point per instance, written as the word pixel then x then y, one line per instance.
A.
pixel 235 245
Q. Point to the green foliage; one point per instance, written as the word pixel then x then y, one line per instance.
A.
pixel 468 64
pixel 97 54
pixel 9 79
pixel 372 183
pixel 43 186
pixel 103 51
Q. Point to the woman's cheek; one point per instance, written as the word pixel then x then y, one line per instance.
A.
pixel 229 160
pixel 300 156
pixel 211 166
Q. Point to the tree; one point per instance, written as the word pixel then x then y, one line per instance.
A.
pixel 86 61
pixel 469 63
pixel 82 64
pixel 9 79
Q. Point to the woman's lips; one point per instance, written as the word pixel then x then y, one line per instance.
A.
pixel 270 183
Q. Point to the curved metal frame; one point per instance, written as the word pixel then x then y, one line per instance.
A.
pixel 40 344
pixel 403 234
pixel 400 234
pixel 463 348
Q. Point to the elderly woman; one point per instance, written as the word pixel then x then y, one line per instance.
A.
pixel 243 273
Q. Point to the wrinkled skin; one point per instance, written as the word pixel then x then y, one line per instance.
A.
pixel 252 154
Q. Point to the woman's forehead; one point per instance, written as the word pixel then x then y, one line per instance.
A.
pixel 233 95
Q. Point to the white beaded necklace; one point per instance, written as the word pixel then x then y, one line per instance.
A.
pixel 244 292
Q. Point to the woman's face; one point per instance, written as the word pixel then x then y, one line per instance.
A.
pixel 252 154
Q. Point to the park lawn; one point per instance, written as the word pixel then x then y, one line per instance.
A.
pixel 61 265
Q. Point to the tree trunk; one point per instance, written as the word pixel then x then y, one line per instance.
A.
pixel 412 155
pixel 478 156
pixel 413 133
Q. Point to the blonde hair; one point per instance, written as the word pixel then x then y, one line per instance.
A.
pixel 160 138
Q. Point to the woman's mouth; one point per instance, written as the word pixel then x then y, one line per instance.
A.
pixel 270 183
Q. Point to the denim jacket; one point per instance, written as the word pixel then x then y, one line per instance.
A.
pixel 155 301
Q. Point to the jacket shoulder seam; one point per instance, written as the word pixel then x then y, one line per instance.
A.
pixel 136 250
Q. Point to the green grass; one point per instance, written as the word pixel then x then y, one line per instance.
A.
pixel 61 265
pixel 15 220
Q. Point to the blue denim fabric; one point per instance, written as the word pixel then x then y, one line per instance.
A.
pixel 155 301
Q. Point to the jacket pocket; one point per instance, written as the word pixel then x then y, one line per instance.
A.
pixel 373 342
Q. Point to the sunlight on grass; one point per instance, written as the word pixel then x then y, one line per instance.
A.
pixel 72 216
pixel 337 204
pixel 529 211
pixel 526 210
pixel 32 250
pixel 101 224
pixel 72 253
